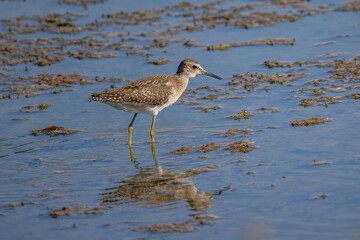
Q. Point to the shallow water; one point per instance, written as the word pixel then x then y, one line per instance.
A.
pixel 85 185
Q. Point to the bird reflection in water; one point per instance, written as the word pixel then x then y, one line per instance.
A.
pixel 165 188
pixel 152 186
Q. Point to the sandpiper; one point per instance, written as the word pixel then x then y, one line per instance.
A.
pixel 150 95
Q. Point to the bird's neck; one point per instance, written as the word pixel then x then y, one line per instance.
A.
pixel 182 80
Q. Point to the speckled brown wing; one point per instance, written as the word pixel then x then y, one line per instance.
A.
pixel 154 90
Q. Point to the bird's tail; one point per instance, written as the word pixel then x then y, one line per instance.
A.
pixel 95 97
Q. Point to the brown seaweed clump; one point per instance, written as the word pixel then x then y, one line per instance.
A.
pixel 208 147
pixel 209 109
pixel 332 55
pixel 346 70
pixel 291 64
pixel 243 146
pixel 221 47
pixel 355 96
pixel 353 6
pixel 266 41
pixel 250 81
pixel 88 54
pixel 241 115
pixel 161 61
pixel 310 122
pixel 54 131
pixel 36 85
pixel 257 42
pixel 288 64
pixel 61 79
pixel 322 101
pixel 344 77
pixel 234 131
pixel 54 23
pixel 182 150
pixel 203 148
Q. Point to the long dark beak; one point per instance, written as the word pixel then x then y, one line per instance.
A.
pixel 210 74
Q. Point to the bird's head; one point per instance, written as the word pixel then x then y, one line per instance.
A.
pixel 192 68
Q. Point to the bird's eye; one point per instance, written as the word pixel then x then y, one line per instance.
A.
pixel 194 67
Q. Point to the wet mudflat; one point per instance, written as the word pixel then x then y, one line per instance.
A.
pixel 269 152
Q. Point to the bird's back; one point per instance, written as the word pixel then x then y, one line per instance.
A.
pixel 153 90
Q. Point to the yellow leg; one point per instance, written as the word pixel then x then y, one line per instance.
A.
pixel 152 131
pixel 153 149
pixel 152 134
pixel 130 133
pixel 130 128
pixel 132 156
